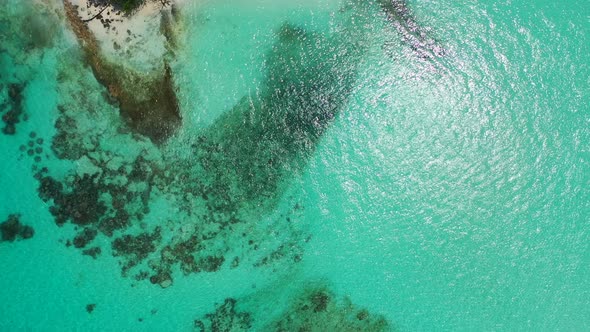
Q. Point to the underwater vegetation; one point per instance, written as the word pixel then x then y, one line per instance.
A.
pixel 319 309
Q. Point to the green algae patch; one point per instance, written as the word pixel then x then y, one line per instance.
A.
pixel 147 102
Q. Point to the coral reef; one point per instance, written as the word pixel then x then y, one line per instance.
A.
pixel 93 252
pixel 12 229
pixel 135 249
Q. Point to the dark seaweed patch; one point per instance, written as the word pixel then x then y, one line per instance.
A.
pixel 84 237
pixel 82 205
pixel 67 144
pixel 256 146
pixel 162 278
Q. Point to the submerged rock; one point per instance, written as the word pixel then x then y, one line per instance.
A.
pixel 135 249
pixel 84 237
pixel 92 252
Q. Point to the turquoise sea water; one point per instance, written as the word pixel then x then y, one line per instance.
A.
pixel 436 175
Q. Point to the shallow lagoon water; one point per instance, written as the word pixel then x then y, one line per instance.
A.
pixel 440 192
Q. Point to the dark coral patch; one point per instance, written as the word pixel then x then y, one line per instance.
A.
pixel 211 263
pixel 309 79
pixel 320 301
pixel 82 205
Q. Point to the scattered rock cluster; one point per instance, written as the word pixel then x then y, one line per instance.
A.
pixel 95 202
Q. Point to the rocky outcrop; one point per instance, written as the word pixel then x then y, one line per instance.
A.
pixel 147 103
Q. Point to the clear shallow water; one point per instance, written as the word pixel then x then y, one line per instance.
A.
pixel 448 193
